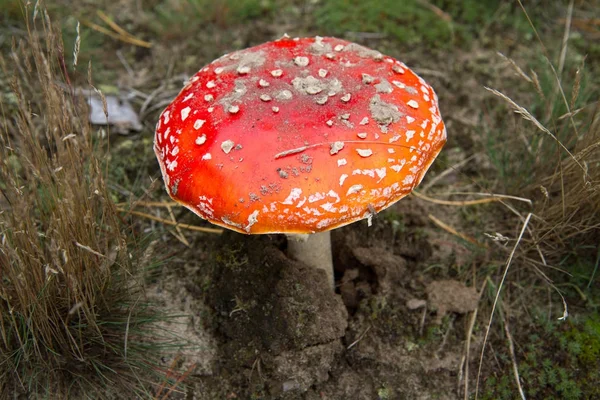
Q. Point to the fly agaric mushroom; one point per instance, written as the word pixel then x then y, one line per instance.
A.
pixel 298 136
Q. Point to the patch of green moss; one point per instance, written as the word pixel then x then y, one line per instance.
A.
pixel 384 393
pixel 584 342
pixel 176 18
pixel 556 363
pixel 405 21
pixel 232 258
pixel 435 333
pixel 438 25
pixel 131 161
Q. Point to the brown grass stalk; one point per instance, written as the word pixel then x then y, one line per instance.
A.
pixel 68 291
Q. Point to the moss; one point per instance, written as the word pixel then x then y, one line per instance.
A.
pixel 557 362
pixel 414 23
pixel 130 161
pixel 405 22
pixel 176 18
pixel 583 342
pixel 384 393
pixel 232 258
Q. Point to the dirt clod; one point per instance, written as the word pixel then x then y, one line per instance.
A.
pixel 299 370
pixel 451 296
pixel 276 314
pixel 389 268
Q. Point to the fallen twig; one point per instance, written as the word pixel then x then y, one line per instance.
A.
pixel 455 203
pixel 453 231
pixel 167 222
pixel 483 194
pixel 360 337
pixel 447 171
pixel 166 204
pixel 117 32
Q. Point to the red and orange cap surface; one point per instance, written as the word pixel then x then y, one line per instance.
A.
pixel 298 136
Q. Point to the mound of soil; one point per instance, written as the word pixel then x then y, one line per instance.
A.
pixel 278 331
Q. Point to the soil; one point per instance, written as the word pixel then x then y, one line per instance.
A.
pixel 263 326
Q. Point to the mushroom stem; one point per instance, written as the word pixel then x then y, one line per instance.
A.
pixel 313 250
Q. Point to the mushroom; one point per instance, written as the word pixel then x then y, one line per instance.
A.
pixel 298 136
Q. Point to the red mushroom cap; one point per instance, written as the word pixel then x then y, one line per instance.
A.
pixel 298 136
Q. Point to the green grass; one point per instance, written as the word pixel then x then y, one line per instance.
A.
pixel 10 10
pixel 561 174
pixel 516 147
pixel 437 24
pixel 407 22
pixel 174 16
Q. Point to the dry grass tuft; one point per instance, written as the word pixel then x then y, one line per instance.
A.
pixel 563 155
pixel 568 171
pixel 570 212
pixel 559 170
pixel 567 180
pixel 72 315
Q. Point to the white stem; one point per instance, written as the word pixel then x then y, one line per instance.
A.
pixel 313 250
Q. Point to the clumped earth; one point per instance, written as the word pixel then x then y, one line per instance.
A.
pixel 271 327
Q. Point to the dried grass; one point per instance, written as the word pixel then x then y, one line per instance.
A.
pixel 72 315
pixel 561 170
pixel 564 173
